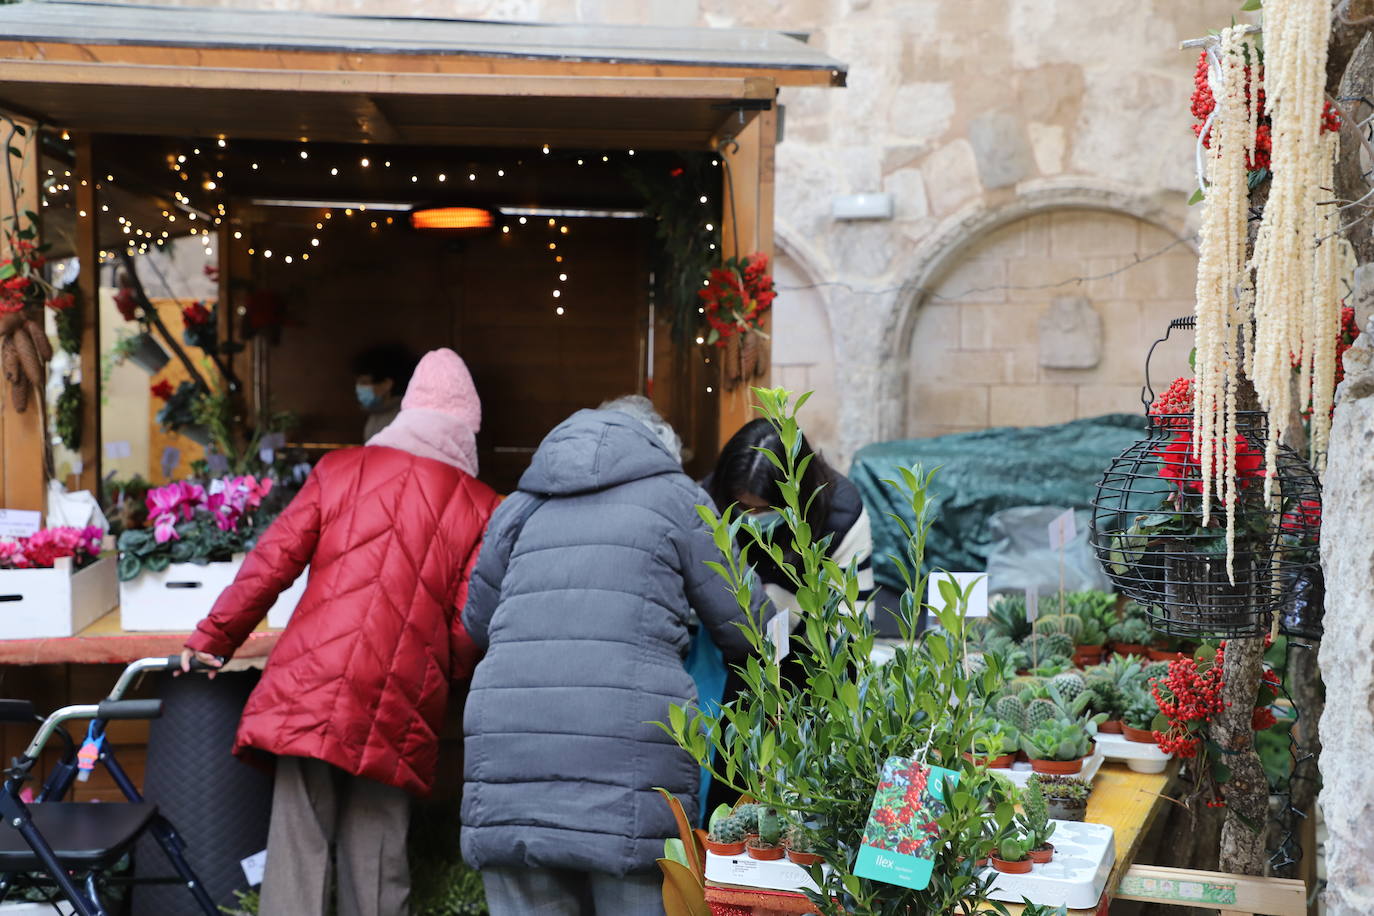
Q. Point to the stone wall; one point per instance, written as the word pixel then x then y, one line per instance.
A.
pixel 972 113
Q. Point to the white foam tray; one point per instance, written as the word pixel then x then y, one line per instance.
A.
pixel 1075 877
pixel 776 875
pixel 1020 773
pixel 1140 757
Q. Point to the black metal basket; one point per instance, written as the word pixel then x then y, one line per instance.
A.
pixel 1148 532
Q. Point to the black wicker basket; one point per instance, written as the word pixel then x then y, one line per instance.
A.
pixel 1149 534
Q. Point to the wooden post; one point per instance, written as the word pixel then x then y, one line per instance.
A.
pixel 25 477
pixel 746 228
pixel 88 281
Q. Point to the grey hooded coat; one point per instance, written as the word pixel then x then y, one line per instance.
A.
pixel 583 614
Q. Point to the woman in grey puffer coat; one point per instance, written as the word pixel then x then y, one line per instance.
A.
pixel 581 599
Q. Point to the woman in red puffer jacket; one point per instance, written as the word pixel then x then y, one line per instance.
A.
pixel 353 696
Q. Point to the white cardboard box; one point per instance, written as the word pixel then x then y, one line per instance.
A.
pixel 180 596
pixel 1075 877
pixel 42 603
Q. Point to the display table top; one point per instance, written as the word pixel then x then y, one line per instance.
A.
pixel 106 642
pixel 1127 802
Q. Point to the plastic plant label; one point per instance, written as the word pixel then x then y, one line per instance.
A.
pixel 1063 530
pixel 977 599
pixel 779 630
pixel 900 836
pixel 1032 604
pixel 253 868
pixel 19 523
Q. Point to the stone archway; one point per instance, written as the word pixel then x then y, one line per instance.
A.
pixel 803 349
pixel 965 341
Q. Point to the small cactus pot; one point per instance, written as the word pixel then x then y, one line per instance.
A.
pixel 765 853
pixel 1043 855
pixel 1003 762
pixel 1160 655
pixel 1063 809
pixel 1085 656
pixel 1138 735
pixel 806 859
pixel 1058 767
pixel 1130 648
pixel 1020 867
pixel 724 849
pixel 1110 727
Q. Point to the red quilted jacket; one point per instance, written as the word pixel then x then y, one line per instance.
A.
pixel 360 677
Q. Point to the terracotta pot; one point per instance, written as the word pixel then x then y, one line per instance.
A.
pixel 1159 655
pixel 1011 868
pixel 1064 810
pixel 1130 648
pixel 1087 655
pixel 1042 855
pixel 1003 762
pixel 1058 767
pixel 804 858
pixel 1138 735
pixel 724 849
pixel 1110 727
pixel 981 863
pixel 766 853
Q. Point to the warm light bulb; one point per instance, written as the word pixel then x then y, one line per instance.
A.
pixel 522 221
pixel 267 252
pixel 222 143
pixel 500 173
pixel 546 149
pixel 559 310
pixel 364 162
pixel 333 171
pixel 304 154
pixel 563 278
pixel 314 243
pixel 557 293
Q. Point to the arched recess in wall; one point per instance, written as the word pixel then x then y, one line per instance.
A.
pixel 966 344
pixel 803 351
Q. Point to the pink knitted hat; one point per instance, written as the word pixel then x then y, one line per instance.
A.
pixel 440 413
pixel 441 382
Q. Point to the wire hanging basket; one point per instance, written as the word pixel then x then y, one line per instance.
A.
pixel 1149 533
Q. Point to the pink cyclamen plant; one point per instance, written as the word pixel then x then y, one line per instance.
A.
pixel 42 549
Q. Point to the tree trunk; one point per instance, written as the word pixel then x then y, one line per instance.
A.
pixel 1246 790
pixel 1305 685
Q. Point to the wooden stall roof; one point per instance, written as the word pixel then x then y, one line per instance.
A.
pixel 164 70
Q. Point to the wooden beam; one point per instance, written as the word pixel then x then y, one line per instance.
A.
pixel 83 73
pixel 88 282
pixel 747 228
pixel 336 62
pixel 24 446
pixel 374 122
pixel 1233 895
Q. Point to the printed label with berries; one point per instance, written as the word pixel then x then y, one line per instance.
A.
pixel 903 825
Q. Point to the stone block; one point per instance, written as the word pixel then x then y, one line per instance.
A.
pixel 951 405
pixel 921 112
pixel 1169 276
pixel 1047 142
pixel 995 327
pixel 937 325
pixel 908 190
pixel 975 280
pixel 1070 334
pixel 951 175
pixel 1000 148
pixel 1038 279
pixel 1092 233
pixel 933 363
pixel 1039 405
pixel 1096 400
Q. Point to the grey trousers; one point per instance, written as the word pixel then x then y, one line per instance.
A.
pixel 555 892
pixel 316 806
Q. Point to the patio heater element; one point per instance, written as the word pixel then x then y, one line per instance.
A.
pixel 451 219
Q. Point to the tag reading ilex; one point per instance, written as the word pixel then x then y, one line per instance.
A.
pixel 901 835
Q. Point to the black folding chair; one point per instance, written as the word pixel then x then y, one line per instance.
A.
pixel 68 841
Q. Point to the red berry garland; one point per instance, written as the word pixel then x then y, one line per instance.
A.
pixel 736 297
pixel 1175 404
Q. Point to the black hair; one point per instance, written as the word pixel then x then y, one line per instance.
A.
pixel 743 468
pixel 392 361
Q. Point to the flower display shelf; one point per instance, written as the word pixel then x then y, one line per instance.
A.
pixel 1020 773
pixel 778 875
pixel 1076 876
pixel 1140 757
pixel 56 602
pixel 177 598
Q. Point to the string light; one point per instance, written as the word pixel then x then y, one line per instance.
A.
pixel 559 310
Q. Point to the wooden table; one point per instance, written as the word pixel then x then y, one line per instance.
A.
pixel 1127 802
pixel 106 642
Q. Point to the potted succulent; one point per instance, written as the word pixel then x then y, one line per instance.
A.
pixel 1137 722
pixel 1130 637
pixel 1012 856
pixel 1058 746
pixel 801 849
pixel 748 816
pixel 1106 699
pixel 1043 909
pixel 767 845
pixel 1066 797
pixel 995 748
pixel 1035 821
pixel 726 837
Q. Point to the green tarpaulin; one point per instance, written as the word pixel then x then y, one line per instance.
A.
pixel 981 473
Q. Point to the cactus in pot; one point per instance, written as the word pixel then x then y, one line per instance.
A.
pixel 768 843
pixel 726 837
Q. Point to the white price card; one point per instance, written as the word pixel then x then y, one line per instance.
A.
pixel 118 449
pixel 1063 530
pixel 977 599
pixel 779 629
pixel 19 523
pixel 253 868
pixel 1032 604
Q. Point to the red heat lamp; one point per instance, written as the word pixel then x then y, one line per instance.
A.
pixel 451 219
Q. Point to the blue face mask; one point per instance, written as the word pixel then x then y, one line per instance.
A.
pixel 367 396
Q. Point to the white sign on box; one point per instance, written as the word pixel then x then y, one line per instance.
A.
pixel 977 599
pixel 19 523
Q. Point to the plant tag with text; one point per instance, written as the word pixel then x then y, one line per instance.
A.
pixel 902 832
pixel 1063 530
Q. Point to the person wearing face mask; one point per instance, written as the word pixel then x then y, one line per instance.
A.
pixel 745 478
pixel 380 376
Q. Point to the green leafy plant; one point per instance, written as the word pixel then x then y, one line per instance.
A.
pixel 68 419
pixel 814 744
pixel 997 738
pixel 1131 631
pixel 246 903
pixel 1035 816
pixel 1040 909
pixel 1007 617
pixel 1057 739
pixel 1014 848
pixel 1063 788
pixel 1105 698
pixel 441 884
pixel 1140 710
